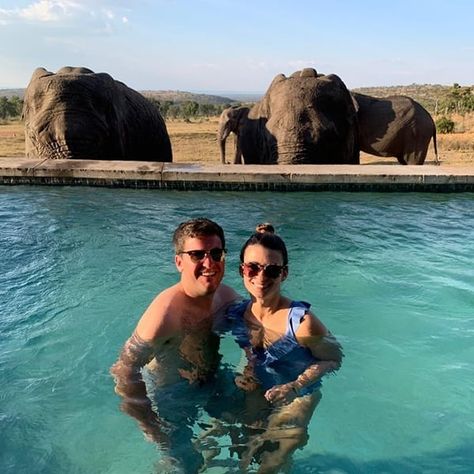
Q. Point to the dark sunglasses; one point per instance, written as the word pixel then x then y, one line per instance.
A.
pixel 199 255
pixel 252 269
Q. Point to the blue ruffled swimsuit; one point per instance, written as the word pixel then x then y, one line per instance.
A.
pixel 285 359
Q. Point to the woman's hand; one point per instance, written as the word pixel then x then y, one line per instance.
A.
pixel 281 394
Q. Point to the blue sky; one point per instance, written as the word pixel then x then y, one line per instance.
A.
pixel 239 45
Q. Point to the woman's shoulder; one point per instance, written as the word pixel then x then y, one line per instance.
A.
pixel 304 305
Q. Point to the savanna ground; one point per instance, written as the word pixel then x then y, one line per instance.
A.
pixel 196 142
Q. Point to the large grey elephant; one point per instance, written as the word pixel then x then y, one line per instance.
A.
pixel 305 118
pixel 395 126
pixel 78 114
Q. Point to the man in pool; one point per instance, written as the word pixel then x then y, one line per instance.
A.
pixel 174 340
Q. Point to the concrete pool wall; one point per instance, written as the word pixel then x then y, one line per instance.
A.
pixel 188 176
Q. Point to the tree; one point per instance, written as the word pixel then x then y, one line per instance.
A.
pixel 189 109
pixel 459 100
pixel 444 125
pixel 10 108
pixel 3 107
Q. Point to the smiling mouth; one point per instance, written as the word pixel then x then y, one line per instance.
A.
pixel 208 274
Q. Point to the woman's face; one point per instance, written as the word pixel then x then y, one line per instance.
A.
pixel 263 271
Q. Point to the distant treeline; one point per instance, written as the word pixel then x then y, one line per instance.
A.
pixel 438 100
pixel 11 107
pixel 188 109
pixel 458 100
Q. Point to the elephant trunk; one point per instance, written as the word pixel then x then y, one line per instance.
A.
pixel 292 153
pixel 320 152
pixel 222 137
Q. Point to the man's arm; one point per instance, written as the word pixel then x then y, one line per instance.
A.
pixel 138 351
pixel 130 386
pixel 129 383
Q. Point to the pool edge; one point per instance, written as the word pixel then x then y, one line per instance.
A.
pixel 217 177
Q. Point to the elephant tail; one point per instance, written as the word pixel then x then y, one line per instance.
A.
pixel 435 147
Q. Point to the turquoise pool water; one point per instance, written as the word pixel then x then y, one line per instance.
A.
pixel 391 275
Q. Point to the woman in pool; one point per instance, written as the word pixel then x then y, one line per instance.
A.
pixel 288 351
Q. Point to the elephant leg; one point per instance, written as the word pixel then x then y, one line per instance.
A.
pixel 418 157
pixel 416 160
pixel 238 153
pixel 401 159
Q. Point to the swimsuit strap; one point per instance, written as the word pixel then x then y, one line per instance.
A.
pixel 283 345
pixel 288 341
pixel 296 314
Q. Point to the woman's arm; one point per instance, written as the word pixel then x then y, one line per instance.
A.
pixel 323 345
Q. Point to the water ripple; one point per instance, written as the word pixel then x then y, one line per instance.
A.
pixel 390 274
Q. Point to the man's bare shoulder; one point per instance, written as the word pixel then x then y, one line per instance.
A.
pixel 157 320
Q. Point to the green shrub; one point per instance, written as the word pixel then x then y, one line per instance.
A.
pixel 10 107
pixel 444 125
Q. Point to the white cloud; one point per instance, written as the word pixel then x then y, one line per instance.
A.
pixel 50 11
pixel 109 14
pixel 5 16
pixel 61 12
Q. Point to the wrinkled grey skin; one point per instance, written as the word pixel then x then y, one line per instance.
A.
pixel 78 114
pixel 231 121
pixel 395 126
pixel 307 118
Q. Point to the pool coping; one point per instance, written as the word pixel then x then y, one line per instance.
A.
pixel 193 176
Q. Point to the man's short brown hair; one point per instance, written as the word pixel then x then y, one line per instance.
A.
pixel 198 227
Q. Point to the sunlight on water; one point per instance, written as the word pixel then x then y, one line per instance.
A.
pixel 390 274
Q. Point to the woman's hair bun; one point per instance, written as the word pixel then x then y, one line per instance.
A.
pixel 265 227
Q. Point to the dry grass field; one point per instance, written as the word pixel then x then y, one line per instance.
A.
pixel 12 139
pixel 195 142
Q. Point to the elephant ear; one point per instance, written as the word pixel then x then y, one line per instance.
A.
pixel 277 79
pixel 242 113
pixel 334 78
pixel 40 72
pixel 354 102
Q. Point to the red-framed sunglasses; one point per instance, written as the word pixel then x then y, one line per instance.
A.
pixel 252 269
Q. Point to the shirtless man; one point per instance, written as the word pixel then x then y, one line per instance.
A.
pixel 174 339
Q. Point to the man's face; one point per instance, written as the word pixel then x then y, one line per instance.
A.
pixel 200 277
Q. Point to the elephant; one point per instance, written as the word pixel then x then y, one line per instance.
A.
pixel 395 126
pixel 231 121
pixel 307 118
pixel 78 114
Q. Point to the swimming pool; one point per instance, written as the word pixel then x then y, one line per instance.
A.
pixel 390 274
